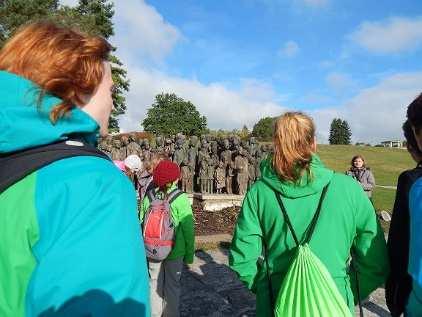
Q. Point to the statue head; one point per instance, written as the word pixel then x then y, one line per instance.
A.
pixel 117 143
pixel 252 140
pixel 145 144
pixel 194 140
pixel 124 140
pixel 159 141
pixel 214 147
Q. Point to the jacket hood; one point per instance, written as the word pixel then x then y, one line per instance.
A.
pixel 307 185
pixel 24 124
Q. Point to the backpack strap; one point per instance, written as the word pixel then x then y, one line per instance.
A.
pixel 151 195
pixel 17 165
pixel 170 197
pixel 311 227
pixel 174 194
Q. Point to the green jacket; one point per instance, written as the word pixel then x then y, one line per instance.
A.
pixel 347 223
pixel 181 212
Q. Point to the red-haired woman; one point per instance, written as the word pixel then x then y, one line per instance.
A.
pixel 293 183
pixel 70 241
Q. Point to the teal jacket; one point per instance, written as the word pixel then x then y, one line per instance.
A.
pixel 70 242
pixel 181 213
pixel 347 223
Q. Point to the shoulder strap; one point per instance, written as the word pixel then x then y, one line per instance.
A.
pixel 151 195
pixel 173 195
pixel 15 166
pixel 311 227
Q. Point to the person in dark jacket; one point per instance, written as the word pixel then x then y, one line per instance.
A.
pixel 399 283
pixel 414 303
pixel 362 174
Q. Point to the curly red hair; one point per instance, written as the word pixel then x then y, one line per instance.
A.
pixel 62 61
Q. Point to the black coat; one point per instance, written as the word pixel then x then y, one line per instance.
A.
pixel 399 283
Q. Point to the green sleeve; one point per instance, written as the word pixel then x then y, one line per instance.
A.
pixel 246 245
pixel 185 219
pixel 143 209
pixel 369 251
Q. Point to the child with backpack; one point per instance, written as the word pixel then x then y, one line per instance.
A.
pixel 298 227
pixel 168 230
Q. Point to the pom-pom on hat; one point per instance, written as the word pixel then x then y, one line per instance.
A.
pixel 165 172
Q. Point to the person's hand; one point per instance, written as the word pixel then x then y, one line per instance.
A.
pixel 189 266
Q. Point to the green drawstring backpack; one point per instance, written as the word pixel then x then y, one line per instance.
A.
pixel 308 288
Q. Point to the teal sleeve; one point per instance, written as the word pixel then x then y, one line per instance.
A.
pixel 369 252
pixel 246 245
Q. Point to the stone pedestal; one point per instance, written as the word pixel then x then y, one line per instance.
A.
pixel 215 202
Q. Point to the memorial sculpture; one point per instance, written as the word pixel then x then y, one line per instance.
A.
pixel 208 165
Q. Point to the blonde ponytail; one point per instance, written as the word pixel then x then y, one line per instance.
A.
pixel 294 137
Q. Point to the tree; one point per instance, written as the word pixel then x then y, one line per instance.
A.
pixel 244 133
pixel 264 128
pixel 170 114
pixel 340 132
pixel 346 132
pixel 91 16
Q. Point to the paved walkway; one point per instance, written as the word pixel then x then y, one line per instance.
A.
pixel 210 288
pixel 387 187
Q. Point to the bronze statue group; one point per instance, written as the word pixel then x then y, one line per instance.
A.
pixel 208 164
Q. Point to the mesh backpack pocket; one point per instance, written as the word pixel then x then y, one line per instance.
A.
pixel 159 229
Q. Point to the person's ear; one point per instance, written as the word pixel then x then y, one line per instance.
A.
pixel 314 145
pixel 418 136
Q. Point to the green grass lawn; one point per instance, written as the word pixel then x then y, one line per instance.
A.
pixel 386 165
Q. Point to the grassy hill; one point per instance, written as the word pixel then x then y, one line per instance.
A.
pixel 385 163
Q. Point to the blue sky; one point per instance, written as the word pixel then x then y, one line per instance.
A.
pixel 241 60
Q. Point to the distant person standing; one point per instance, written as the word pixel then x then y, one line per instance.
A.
pixel 399 283
pixel 145 182
pixel 166 209
pixel 362 174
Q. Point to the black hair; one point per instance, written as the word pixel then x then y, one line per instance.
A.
pixel 414 113
pixel 410 138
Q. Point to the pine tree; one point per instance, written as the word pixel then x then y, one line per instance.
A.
pixel 340 132
pixel 347 133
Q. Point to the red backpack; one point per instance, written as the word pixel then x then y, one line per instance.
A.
pixel 158 228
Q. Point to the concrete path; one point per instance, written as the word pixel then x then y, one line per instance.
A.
pixel 387 187
pixel 210 288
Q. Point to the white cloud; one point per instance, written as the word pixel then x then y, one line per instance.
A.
pixel 392 35
pixel 70 3
pixel 289 49
pixel 339 81
pixel 375 113
pixel 141 32
pixel 224 108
